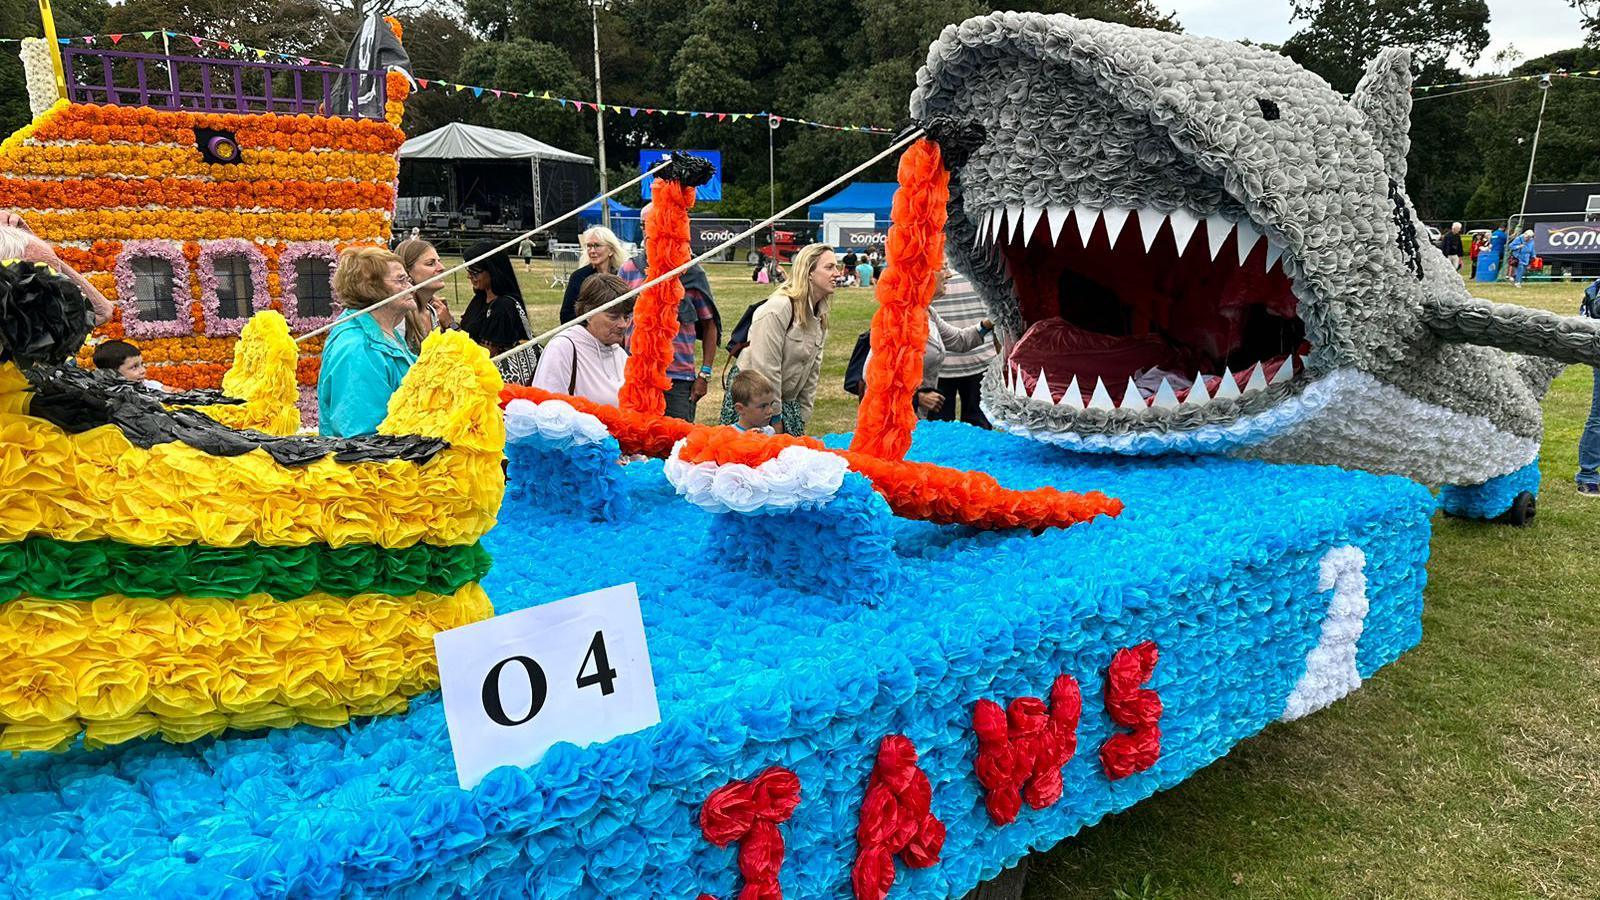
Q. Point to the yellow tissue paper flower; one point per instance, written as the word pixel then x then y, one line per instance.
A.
pixel 262 375
pixel 98 484
pixel 119 668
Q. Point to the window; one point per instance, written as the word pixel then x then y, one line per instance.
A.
pixel 313 287
pixel 234 289
pixel 152 289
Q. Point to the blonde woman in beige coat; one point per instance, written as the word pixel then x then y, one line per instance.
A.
pixel 787 333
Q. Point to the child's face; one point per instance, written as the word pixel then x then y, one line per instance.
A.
pixel 759 411
pixel 132 368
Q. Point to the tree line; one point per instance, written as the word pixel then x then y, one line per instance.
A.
pixel 852 62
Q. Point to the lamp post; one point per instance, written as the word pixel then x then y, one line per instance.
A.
pixel 599 109
pixel 1544 97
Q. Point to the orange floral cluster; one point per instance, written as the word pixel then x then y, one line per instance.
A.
pixel 917 490
pixel 101 256
pixel 655 321
pixel 98 124
pixel 639 434
pixel 913 490
pixel 900 326
pixel 97 176
pixel 399 88
pixel 177 193
pixel 53 225
pixel 118 160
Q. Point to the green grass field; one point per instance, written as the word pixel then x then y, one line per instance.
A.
pixel 1470 768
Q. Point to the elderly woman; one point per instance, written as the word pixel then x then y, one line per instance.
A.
pixel 588 360
pixel 604 254
pixel 364 358
pixel 17 242
pixel 431 314
pixel 787 333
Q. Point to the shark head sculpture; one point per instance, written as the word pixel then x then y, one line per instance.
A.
pixel 1194 246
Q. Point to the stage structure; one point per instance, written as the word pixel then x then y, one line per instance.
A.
pixel 469 176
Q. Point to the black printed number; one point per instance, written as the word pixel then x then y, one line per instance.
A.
pixel 491 690
pixel 603 674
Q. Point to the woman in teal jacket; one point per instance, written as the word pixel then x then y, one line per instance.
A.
pixel 364 359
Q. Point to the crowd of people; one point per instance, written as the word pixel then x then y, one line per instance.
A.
pixel 1481 255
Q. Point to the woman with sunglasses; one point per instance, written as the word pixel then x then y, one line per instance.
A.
pixel 496 317
pixel 603 254
pixel 364 358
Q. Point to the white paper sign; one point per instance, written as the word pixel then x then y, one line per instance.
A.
pixel 574 670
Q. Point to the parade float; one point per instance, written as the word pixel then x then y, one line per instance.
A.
pixel 891 663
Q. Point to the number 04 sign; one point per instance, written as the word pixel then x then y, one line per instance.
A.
pixel 574 670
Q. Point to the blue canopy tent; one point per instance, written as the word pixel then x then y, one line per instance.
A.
pixel 860 197
pixel 624 220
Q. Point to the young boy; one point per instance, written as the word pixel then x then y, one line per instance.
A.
pixel 123 358
pixel 755 401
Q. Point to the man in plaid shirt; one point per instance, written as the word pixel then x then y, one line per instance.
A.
pixel 962 373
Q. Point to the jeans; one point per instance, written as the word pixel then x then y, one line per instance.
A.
pixel 1589 443
pixel 680 400
pixel 966 389
pixel 1517 271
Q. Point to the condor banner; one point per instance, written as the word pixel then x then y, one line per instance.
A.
pixel 710 192
pixel 707 233
pixel 1566 238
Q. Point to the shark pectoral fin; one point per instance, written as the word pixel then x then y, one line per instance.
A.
pixel 1517 329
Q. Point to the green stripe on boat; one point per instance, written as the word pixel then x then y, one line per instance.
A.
pixel 67 570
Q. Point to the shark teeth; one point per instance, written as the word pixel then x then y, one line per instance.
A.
pixel 1140 399
pixel 1031 225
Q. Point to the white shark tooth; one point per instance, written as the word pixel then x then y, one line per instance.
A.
pixel 1183 225
pixel 1101 398
pixel 993 225
pixel 1274 250
pixel 1217 231
pixel 1257 380
pixel 1041 389
pixel 1197 392
pixel 1019 386
pixel 1030 221
pixel 1073 398
pixel 1229 388
pixel 1115 217
pixel 1246 235
pixel 1013 223
pixel 1131 397
pixel 1285 371
pixel 1149 223
pixel 1085 217
pixel 982 229
pixel 1166 397
pixel 1057 216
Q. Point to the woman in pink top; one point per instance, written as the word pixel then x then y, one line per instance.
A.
pixel 588 360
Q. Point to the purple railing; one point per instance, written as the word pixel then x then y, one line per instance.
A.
pixel 121 78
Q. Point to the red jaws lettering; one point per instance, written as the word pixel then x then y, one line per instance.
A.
pixel 1134 707
pixel 1021 749
pixel 895 820
pixel 749 812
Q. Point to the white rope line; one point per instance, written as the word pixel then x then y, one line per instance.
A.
pixel 896 147
pixel 472 262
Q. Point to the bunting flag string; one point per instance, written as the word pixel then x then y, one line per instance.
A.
pixel 773 120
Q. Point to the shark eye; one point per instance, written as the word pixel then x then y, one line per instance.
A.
pixel 1269 108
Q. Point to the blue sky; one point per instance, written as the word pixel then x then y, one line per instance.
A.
pixel 1534 27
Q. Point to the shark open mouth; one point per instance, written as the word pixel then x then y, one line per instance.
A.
pixel 1138 309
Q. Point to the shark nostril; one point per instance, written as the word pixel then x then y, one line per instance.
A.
pixel 1269 108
